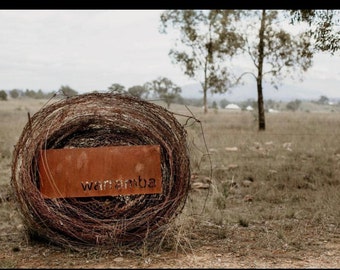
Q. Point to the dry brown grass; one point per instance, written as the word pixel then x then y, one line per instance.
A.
pixel 277 192
pixel 287 176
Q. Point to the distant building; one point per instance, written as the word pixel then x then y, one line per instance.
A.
pixel 249 108
pixel 232 106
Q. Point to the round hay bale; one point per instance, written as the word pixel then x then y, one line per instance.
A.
pixel 95 120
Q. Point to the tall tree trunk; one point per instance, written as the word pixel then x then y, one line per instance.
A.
pixel 205 103
pixel 262 122
pixel 205 89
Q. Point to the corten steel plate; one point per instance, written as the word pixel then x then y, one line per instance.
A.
pixel 100 171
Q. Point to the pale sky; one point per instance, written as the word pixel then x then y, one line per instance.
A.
pixel 92 49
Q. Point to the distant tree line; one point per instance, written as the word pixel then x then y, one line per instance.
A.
pixel 18 93
pixel 164 89
pixel 29 93
pixel 161 88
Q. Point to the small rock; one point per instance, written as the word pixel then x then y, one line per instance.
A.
pixel 232 149
pixel 199 185
pixel 232 166
pixel 246 183
pixel 248 198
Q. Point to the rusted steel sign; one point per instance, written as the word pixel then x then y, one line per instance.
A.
pixel 100 171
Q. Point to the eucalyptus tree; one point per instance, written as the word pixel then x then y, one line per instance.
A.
pixel 206 38
pixel 164 89
pixel 275 48
pixel 138 91
pixel 117 88
pixel 3 95
pixel 66 90
pixel 14 93
pixel 275 51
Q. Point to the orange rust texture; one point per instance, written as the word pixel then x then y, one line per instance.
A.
pixel 100 171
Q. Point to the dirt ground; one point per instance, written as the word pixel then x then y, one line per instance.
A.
pixel 237 248
pixel 217 255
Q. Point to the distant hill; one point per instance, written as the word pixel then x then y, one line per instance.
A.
pixel 241 93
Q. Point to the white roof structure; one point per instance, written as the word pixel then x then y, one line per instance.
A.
pixel 232 107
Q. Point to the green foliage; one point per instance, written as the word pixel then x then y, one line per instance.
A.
pixel 30 94
pixel 40 94
pixel 323 100
pixel 223 103
pixel 165 89
pixel 3 95
pixel 117 88
pixel 14 93
pixel 68 91
pixel 293 105
pixel 138 91
pixel 323 27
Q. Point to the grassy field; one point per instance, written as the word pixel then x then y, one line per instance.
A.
pixel 253 193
